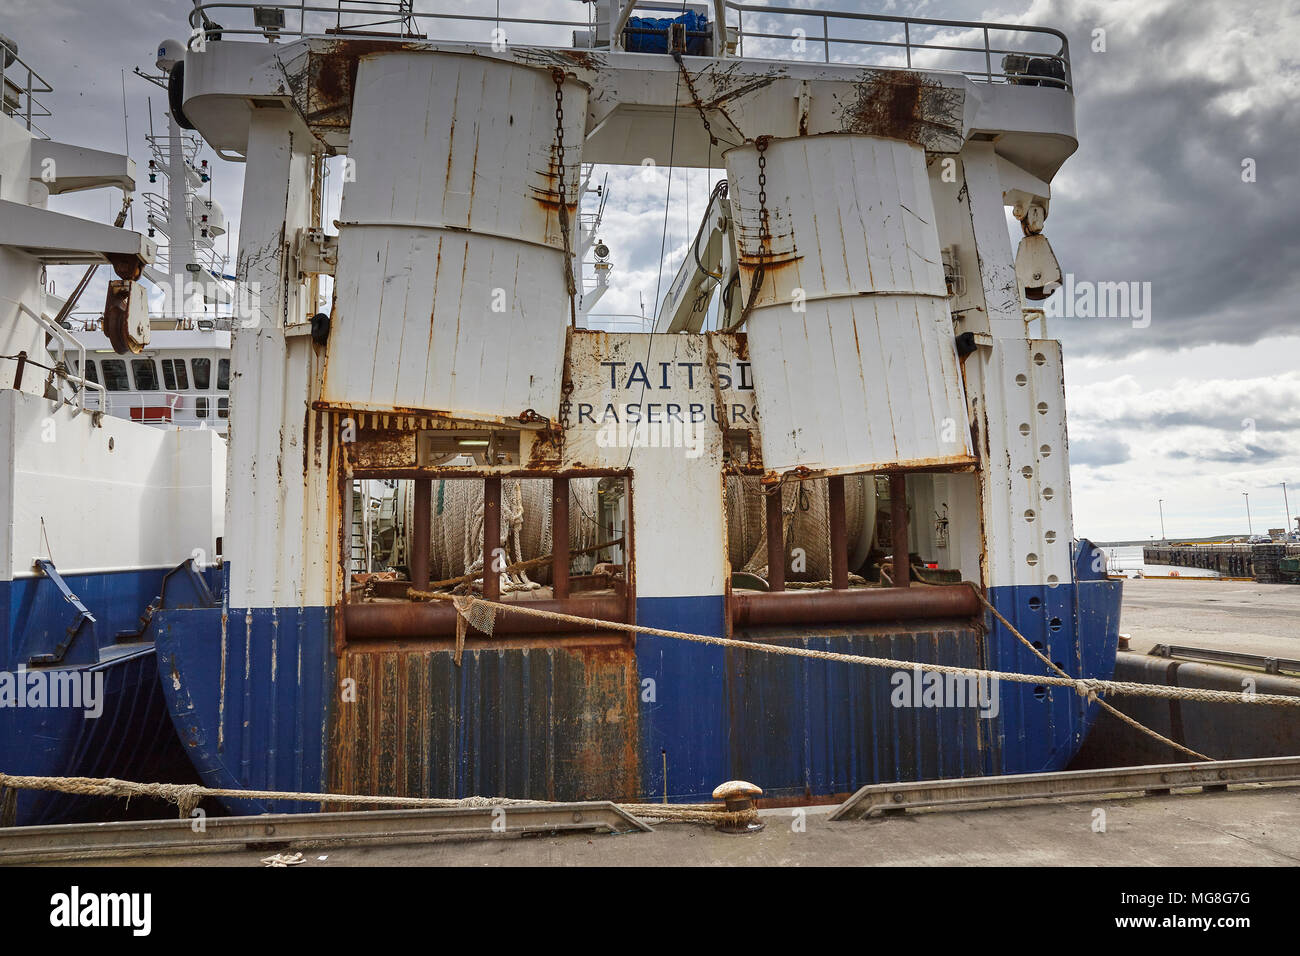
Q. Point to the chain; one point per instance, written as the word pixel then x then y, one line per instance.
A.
pixel 570 286
pixel 695 98
pixel 700 107
pixel 764 226
pixel 764 236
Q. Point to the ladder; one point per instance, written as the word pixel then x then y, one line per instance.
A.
pixel 360 540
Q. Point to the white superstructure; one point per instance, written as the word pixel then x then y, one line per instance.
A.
pixel 95 493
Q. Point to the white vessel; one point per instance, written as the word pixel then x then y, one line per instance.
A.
pixel 99 515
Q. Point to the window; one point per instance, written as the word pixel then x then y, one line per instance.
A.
pixel 200 404
pixel 146 375
pixel 91 374
pixel 223 408
pixel 202 373
pixel 223 375
pixel 115 379
pixel 174 376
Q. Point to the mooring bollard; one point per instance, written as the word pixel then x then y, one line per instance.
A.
pixel 739 796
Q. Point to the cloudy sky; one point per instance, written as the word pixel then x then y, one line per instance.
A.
pixel 1187 99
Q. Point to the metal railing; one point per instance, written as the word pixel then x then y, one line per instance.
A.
pixel 992 52
pixel 940 44
pixel 163 407
pixel 146 407
pixel 63 343
pixel 616 322
pixel 19 84
pixel 197 249
pixel 398 19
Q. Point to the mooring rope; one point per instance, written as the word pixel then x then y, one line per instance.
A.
pixel 1131 721
pixel 187 796
pixel 484 611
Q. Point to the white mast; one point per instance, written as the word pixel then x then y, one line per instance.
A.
pixel 190 223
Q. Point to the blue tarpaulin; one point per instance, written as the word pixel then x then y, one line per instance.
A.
pixel 648 35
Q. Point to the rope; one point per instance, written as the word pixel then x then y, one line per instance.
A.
pixel 1084 687
pixel 186 797
pixel 724 421
pixel 1092 697
pixel 517 566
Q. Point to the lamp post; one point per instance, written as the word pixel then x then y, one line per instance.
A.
pixel 1161 502
pixel 1249 528
pixel 1286 504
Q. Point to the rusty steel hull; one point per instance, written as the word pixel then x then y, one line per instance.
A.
pixel 547 723
pixel 266 699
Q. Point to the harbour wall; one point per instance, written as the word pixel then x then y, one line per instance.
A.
pixel 1258 561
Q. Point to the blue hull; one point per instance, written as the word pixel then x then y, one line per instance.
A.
pixel 132 736
pixel 263 703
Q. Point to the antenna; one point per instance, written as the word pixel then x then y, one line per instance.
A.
pixel 126 133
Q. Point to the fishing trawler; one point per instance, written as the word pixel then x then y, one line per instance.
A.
pixel 840 421
pixel 101 514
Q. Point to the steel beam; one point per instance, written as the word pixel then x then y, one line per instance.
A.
pixel 1270 665
pixel 898 526
pixel 775 540
pixel 1024 788
pixel 560 538
pixel 838 534
pixel 491 537
pixel 421 534
pixel 79 841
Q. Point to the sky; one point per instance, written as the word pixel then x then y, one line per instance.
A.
pixel 1186 182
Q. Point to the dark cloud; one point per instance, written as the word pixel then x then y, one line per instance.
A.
pixel 1248 454
pixel 1183 94
pixel 1098 452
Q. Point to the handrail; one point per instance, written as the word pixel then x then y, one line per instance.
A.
pixel 310 20
pixel 91 321
pixel 64 340
pixel 205 19
pixel 148 400
pixel 17 97
pixel 618 322
pixel 908 45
